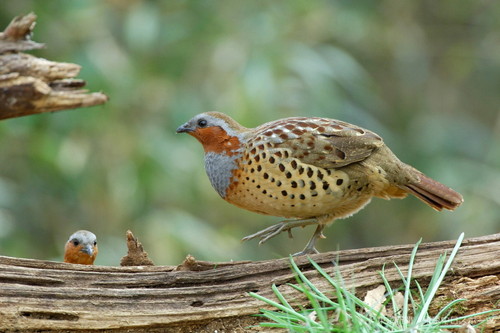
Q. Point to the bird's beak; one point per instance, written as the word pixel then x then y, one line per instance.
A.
pixel 88 250
pixel 186 128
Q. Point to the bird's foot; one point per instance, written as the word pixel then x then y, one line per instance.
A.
pixel 311 245
pixel 305 251
pixel 278 228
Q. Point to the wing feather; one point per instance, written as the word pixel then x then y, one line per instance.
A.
pixel 321 142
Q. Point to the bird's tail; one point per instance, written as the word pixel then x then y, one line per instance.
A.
pixel 435 194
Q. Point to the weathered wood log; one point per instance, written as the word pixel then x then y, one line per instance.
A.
pixel 17 36
pixel 204 296
pixel 31 85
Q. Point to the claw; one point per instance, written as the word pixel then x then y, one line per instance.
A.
pixel 278 228
pixel 306 251
pixel 287 226
pixel 311 245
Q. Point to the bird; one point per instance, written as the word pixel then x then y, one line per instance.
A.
pixel 307 170
pixel 81 248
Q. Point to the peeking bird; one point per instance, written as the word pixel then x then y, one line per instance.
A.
pixel 81 248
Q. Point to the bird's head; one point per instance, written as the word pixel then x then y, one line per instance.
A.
pixel 216 131
pixel 81 248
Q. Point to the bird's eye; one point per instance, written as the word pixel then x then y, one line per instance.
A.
pixel 202 123
pixel 75 243
pixel 95 243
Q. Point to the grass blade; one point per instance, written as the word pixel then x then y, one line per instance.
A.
pixel 408 282
pixel 433 290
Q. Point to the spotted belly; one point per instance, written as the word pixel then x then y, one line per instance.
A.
pixel 291 189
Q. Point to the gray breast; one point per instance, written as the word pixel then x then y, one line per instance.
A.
pixel 219 168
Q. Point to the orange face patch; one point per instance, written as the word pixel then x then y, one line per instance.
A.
pixel 74 255
pixel 215 139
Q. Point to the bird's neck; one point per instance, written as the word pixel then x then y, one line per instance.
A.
pixel 216 140
pixel 222 151
pixel 220 169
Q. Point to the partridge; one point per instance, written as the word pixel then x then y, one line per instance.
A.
pixel 309 170
pixel 81 248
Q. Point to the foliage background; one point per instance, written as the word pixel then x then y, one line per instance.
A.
pixel 423 74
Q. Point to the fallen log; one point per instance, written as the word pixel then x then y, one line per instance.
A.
pixel 205 296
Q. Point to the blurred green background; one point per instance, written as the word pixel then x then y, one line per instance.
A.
pixel 425 75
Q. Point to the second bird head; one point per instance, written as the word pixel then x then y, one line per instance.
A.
pixel 81 248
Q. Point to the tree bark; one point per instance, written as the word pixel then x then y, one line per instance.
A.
pixel 203 296
pixel 31 85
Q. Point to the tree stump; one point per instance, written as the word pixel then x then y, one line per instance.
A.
pixel 206 297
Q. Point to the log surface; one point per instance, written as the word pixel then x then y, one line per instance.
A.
pixel 51 296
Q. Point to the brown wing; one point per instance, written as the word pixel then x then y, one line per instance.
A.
pixel 322 142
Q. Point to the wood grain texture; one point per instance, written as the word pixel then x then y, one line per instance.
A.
pixel 17 35
pixel 52 296
pixel 31 85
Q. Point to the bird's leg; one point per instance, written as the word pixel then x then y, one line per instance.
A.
pixel 278 228
pixel 311 245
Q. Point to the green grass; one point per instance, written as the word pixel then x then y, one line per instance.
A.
pixel 347 313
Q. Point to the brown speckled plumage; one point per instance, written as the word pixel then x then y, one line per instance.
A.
pixel 306 168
